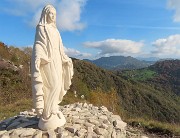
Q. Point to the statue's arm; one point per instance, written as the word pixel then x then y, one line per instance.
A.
pixel 66 59
pixel 39 52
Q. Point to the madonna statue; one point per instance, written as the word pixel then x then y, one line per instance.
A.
pixel 51 69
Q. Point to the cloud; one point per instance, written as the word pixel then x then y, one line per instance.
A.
pixel 111 47
pixel 24 7
pixel 167 47
pixel 76 54
pixel 175 5
pixel 35 19
pixel 68 12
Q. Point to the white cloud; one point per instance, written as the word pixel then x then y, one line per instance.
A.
pixel 175 5
pixel 24 7
pixel 76 54
pixel 35 19
pixel 111 47
pixel 167 47
pixel 68 12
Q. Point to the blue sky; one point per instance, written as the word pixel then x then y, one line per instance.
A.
pixel 96 28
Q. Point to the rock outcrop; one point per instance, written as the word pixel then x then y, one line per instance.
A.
pixel 83 121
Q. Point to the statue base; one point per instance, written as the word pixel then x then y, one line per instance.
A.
pixel 53 122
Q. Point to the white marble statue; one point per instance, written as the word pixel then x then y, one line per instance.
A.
pixel 52 71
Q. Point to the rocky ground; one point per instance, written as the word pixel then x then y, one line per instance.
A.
pixel 83 121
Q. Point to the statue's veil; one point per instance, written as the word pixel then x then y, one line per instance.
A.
pixel 45 11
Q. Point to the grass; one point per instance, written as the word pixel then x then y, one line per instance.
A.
pixel 14 109
pixel 156 127
pixel 70 98
pixel 140 74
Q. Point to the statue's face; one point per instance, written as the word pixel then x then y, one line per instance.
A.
pixel 51 16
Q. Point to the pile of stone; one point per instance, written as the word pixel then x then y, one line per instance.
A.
pixel 83 121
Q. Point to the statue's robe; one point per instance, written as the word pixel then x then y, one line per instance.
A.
pixel 52 70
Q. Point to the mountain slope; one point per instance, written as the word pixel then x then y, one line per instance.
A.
pixel 136 99
pixel 119 63
pixel 168 75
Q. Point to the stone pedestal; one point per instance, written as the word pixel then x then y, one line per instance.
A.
pixel 53 122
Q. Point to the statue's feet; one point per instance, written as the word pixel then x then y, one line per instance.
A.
pixel 53 122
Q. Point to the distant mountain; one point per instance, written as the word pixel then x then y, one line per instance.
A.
pixel 168 75
pixel 149 59
pixel 119 63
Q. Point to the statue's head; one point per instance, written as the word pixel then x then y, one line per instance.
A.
pixel 48 15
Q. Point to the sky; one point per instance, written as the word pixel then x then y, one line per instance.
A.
pixel 91 29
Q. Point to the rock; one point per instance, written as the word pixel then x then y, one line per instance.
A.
pixel 4 126
pixel 144 137
pixel 90 129
pixel 106 122
pixel 100 131
pixel 63 134
pixel 103 117
pixel 25 124
pixel 104 126
pixel 51 134
pixel 119 124
pixel 14 136
pixel 91 135
pixel 78 121
pixel 37 134
pixel 45 135
pixel 13 125
pixel 24 113
pixel 77 126
pixel 28 132
pixel 7 121
pixel 85 105
pixel 71 129
pixel 75 117
pixel 2 132
pixel 82 96
pixel 113 135
pixel 93 121
pixel 103 108
pixel 21 119
pixel 90 105
pixel 17 132
pixel 88 124
pixel 81 132
pixel 5 136
pixel 77 109
pixel 120 134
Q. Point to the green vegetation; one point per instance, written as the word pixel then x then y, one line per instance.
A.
pixel 139 74
pixel 13 109
pixel 153 126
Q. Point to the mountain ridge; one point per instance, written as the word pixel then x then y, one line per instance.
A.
pixel 120 62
